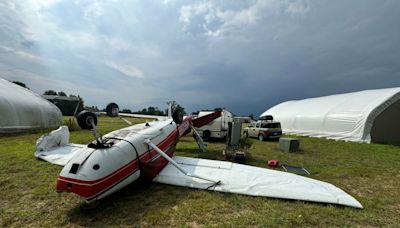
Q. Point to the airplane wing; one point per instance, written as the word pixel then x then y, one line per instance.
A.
pixel 59 155
pixel 254 181
pixel 143 116
pixel 55 147
pixel 139 116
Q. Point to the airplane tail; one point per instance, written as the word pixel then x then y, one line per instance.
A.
pixel 184 127
pixel 201 121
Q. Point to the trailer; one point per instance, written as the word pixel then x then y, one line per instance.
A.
pixel 218 128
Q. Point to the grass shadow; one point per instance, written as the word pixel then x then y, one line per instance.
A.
pixel 128 206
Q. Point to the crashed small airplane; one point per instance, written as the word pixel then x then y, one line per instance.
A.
pixel 146 150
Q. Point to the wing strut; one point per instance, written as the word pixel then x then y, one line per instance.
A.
pixel 152 145
pixel 199 140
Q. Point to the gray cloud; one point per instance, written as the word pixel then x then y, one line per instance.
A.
pixel 242 55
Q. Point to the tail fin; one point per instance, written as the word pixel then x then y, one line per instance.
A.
pixel 169 109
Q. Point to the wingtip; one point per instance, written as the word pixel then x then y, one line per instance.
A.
pixel 358 205
pixel 350 201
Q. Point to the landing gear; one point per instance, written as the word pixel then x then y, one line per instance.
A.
pixel 112 110
pixel 87 120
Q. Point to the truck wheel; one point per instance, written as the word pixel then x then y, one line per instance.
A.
pixel 206 135
pixel 261 137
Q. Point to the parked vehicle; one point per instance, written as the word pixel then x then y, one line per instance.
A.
pixel 216 129
pixel 265 129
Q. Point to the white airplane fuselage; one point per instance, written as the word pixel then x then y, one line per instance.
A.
pixel 94 173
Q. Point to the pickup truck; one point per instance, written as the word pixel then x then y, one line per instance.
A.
pixel 263 130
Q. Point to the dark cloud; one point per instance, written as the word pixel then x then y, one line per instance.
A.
pixel 245 56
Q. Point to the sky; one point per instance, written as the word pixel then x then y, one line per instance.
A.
pixel 245 56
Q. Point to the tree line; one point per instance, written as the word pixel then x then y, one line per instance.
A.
pixel 61 94
pixel 155 110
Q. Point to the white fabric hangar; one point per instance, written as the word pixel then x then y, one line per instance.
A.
pixel 364 116
pixel 22 110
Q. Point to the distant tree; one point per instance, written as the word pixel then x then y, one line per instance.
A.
pixel 62 94
pixel 50 92
pixel 251 116
pixel 91 108
pixel 125 110
pixel 20 84
pixel 159 112
pixel 182 109
pixel 176 106
pixel 151 110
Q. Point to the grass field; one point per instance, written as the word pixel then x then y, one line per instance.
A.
pixel 369 172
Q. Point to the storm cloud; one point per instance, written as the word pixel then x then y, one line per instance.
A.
pixel 242 55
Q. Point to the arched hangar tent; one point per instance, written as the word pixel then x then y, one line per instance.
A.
pixel 22 110
pixel 364 116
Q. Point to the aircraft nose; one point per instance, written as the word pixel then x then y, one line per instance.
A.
pixel 82 188
pixel 63 186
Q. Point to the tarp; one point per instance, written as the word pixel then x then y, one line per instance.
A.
pixel 348 116
pixel 22 110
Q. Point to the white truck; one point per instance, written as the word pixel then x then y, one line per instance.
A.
pixel 217 128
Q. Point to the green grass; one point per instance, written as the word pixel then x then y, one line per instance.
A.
pixel 369 172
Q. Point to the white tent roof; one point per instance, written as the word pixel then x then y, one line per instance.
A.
pixel 348 116
pixel 21 110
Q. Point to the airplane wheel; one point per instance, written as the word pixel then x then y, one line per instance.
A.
pixel 261 137
pixel 112 109
pixel 85 118
pixel 177 116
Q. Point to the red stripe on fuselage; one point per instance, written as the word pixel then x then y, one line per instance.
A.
pixel 85 189
pixel 89 189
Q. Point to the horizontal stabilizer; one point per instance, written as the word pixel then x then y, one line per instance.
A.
pixel 254 181
pixel 201 121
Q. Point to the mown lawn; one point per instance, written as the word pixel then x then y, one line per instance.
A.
pixel 369 172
